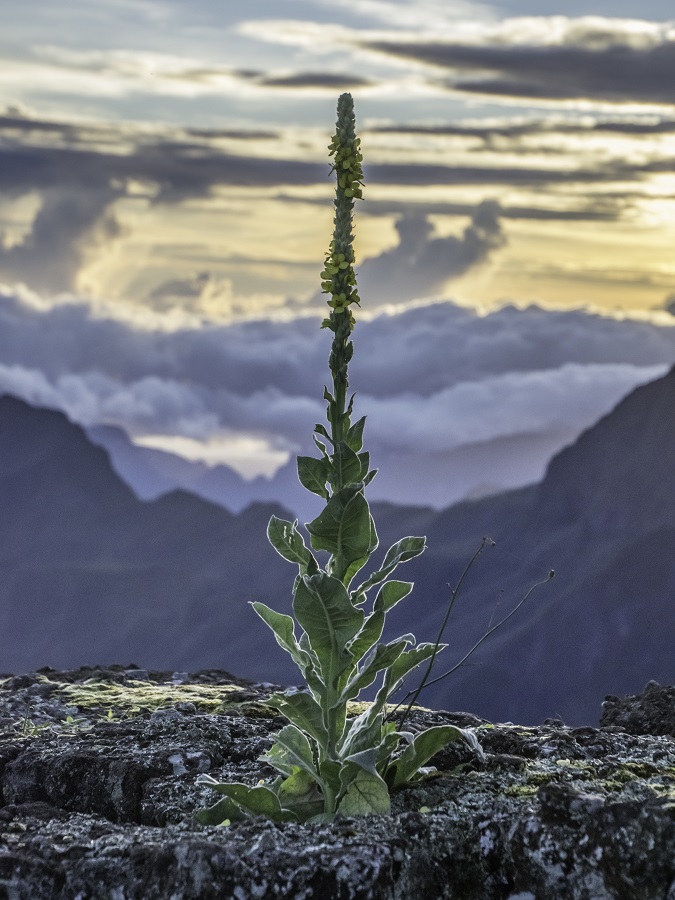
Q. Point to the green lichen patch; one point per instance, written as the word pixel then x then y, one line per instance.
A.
pixel 134 697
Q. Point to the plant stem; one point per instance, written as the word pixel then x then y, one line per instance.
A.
pixel 338 277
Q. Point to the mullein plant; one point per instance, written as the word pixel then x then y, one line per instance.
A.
pixel 331 762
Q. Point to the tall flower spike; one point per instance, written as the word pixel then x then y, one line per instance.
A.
pixel 338 279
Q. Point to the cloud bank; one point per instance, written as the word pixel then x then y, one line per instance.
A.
pixel 431 379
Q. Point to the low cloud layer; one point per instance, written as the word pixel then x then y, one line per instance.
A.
pixel 430 379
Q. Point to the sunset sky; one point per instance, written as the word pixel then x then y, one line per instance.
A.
pixel 165 206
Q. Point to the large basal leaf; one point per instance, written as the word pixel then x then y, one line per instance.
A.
pixel 302 710
pixel 256 801
pixel 313 474
pixel 221 813
pixel 423 747
pixel 323 608
pixel 343 528
pixel 287 541
pixel 300 795
pixel 292 748
pixel 367 795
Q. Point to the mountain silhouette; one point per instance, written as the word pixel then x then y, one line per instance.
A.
pixel 91 574
pixel 604 519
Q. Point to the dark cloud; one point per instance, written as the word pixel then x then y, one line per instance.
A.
pixel 328 80
pixel 78 178
pixel 66 228
pixel 522 176
pixel 597 209
pixel 604 67
pixel 512 131
pixel 213 134
pixel 421 264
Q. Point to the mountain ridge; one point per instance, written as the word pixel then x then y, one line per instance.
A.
pixel 603 517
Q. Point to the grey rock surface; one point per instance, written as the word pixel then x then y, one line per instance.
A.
pixel 98 794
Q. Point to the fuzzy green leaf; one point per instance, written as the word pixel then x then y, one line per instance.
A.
pixel 409 660
pixel 291 750
pixel 299 794
pixel 254 801
pixel 364 459
pixel 283 628
pixel 402 551
pixel 222 812
pixel 367 795
pixel 302 710
pixel 391 593
pixel 287 541
pixel 344 528
pixel 354 437
pixel 346 465
pixel 313 474
pixel 323 608
pixel 423 747
pixel 383 658
pixel 368 636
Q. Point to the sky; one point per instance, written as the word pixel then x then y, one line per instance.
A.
pixel 165 206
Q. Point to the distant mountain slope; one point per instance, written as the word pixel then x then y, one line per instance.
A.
pixel 477 469
pixel 90 574
pixel 604 519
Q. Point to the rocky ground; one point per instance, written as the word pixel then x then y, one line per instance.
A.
pixel 98 792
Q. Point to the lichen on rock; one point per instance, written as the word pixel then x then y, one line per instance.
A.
pixel 100 805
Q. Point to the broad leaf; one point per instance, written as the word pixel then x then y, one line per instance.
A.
pixel 302 710
pixel 221 813
pixel 343 528
pixel 313 474
pixel 323 608
pixel 287 541
pixel 346 466
pixel 423 747
pixel 364 459
pixel 367 795
pixel 300 795
pixel 369 635
pixel 391 593
pixel 361 734
pixel 283 628
pixel 384 657
pixel 256 801
pixel 402 551
pixel 291 750
pixel 409 660
pixel 354 437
